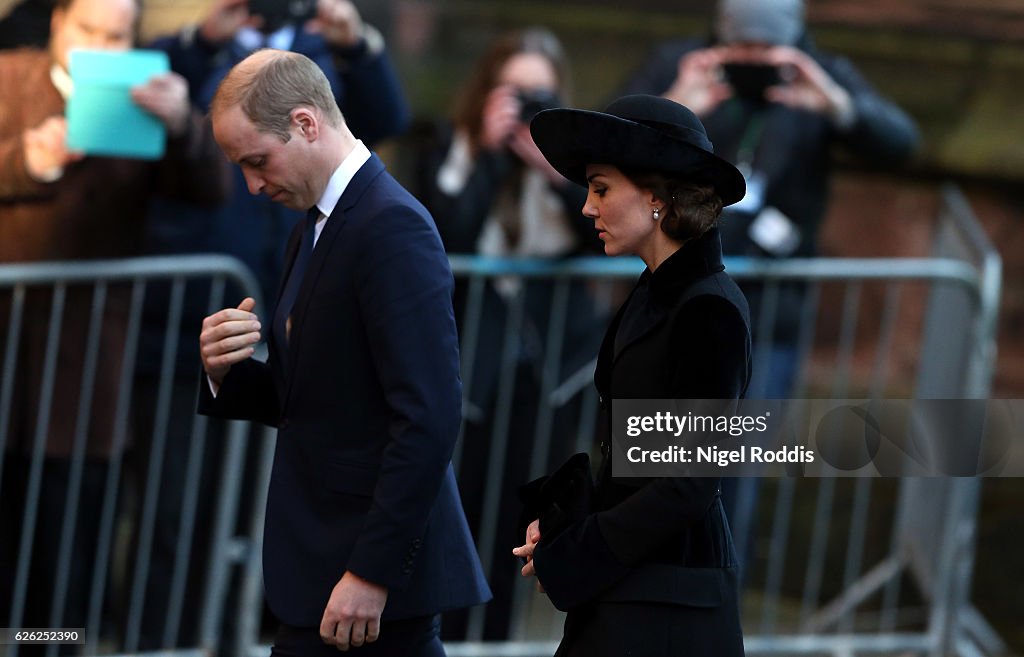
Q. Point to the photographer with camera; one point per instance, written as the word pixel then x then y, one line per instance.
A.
pixel 493 193
pixel 774 106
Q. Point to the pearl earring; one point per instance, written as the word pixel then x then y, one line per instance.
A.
pixel 656 214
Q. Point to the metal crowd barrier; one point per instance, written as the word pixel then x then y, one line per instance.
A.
pixel 126 599
pixel 835 567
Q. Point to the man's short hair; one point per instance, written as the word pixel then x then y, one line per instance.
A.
pixel 267 94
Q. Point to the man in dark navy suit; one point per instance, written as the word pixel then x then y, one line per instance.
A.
pixel 366 541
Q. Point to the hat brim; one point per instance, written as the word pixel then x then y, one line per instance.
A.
pixel 571 139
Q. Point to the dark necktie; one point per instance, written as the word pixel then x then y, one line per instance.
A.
pixel 291 286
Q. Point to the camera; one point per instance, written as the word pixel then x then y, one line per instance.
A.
pixel 750 80
pixel 278 13
pixel 534 101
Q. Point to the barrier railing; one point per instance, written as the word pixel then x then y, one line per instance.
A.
pixel 103 456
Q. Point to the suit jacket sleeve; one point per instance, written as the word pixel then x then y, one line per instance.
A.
pixel 589 556
pixel 247 393
pixel 405 295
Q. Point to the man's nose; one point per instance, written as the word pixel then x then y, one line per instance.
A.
pixel 254 183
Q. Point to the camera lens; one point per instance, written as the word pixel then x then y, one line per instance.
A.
pixel 534 101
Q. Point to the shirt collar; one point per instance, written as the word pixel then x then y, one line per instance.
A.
pixel 62 81
pixel 341 178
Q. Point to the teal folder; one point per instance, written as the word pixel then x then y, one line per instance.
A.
pixel 102 119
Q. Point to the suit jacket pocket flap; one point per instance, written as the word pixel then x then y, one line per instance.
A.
pixel 352 478
pixel 669 584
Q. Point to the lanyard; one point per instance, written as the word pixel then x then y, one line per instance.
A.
pixel 752 134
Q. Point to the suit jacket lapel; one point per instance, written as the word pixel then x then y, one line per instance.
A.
pixel 278 359
pixel 339 218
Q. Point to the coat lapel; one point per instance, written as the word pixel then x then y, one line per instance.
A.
pixel 656 295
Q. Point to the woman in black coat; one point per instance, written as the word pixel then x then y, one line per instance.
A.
pixel 647 566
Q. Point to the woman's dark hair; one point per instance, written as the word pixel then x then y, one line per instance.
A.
pixel 691 208
pixel 469 104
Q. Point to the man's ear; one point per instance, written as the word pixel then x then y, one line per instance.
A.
pixel 305 121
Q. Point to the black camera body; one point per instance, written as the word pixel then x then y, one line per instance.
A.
pixel 278 13
pixel 534 101
pixel 750 80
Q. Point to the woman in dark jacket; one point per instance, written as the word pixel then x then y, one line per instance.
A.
pixel 647 566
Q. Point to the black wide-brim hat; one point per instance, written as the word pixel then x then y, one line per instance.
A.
pixel 639 132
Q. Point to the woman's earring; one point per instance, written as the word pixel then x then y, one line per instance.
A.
pixel 656 214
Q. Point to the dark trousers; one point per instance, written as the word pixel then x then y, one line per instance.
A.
pixel 408 637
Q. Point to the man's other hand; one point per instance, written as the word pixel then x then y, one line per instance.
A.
pixel 352 616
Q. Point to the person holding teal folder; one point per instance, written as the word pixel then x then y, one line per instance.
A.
pixel 59 204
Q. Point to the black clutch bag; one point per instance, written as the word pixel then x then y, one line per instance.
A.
pixel 560 499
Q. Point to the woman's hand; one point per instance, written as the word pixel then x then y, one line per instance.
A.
pixel 526 551
pixel 521 143
pixel 699 84
pixel 500 117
